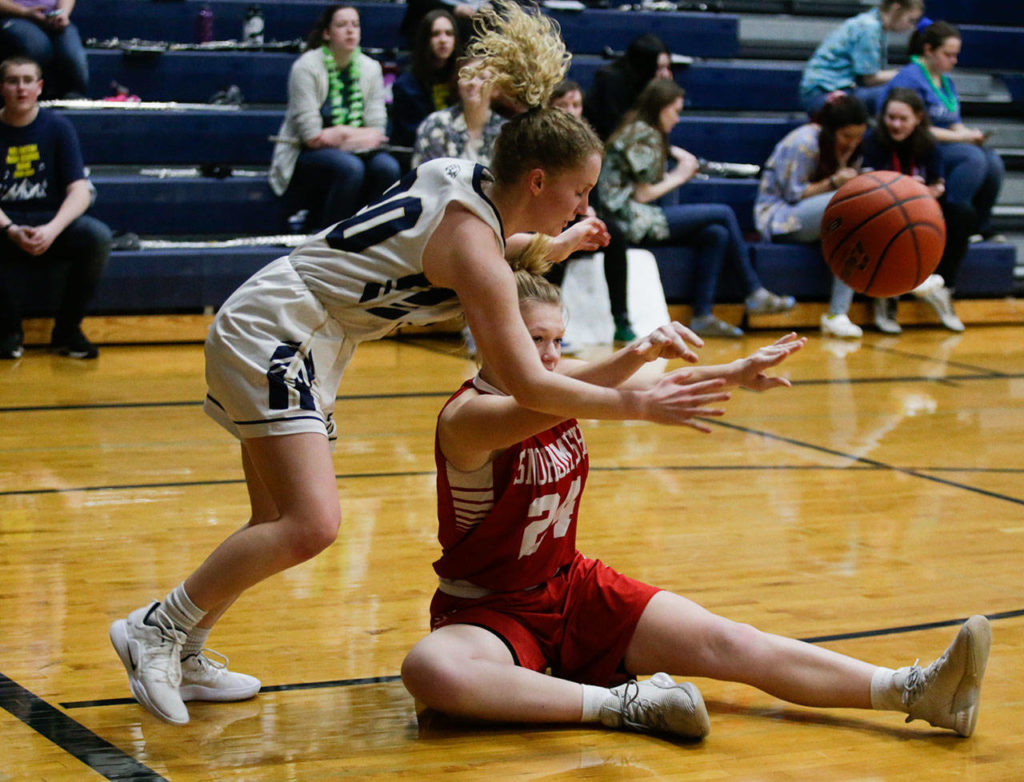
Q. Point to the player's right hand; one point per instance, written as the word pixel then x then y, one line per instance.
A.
pixel 675 400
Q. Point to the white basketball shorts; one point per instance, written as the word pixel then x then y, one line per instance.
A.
pixel 274 358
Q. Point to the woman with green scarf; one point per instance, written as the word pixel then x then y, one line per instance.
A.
pixel 329 157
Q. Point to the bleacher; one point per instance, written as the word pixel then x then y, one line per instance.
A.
pixel 741 99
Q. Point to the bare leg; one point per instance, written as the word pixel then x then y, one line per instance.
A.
pixel 298 475
pixel 264 509
pixel 466 671
pixel 677 635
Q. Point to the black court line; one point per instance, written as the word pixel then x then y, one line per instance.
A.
pixel 860 464
pixel 199 402
pixel 938 360
pixel 876 633
pixel 864 460
pixel 72 737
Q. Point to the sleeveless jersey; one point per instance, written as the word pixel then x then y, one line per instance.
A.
pixel 367 271
pixel 511 524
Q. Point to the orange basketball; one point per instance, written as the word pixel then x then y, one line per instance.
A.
pixel 883 233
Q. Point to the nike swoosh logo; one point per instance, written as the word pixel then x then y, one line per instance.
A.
pixel 132 657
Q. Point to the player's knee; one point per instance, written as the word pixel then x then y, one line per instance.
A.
pixel 315 534
pixel 733 640
pixel 432 679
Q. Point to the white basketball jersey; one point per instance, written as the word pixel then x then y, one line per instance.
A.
pixel 367 270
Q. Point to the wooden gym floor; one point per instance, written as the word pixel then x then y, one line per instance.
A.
pixel 870 508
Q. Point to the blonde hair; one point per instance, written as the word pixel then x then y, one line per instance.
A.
pixel 533 287
pixel 534 258
pixel 522 52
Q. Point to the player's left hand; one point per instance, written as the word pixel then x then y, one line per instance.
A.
pixel 36 240
pixel 668 342
pixel 751 370
pixel 587 235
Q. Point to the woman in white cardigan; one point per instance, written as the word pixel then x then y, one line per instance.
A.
pixel 329 157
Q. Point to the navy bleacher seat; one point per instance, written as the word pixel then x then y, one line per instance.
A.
pixel 191 77
pixel 176 22
pixel 713 85
pixel 997 12
pixel 732 139
pixel 995 48
pixel 694 34
pixel 150 205
pixel 122 136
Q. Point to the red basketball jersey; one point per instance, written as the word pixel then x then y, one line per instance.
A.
pixel 511 524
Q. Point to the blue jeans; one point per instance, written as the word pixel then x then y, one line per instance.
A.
pixel 712 230
pixel 334 184
pixel 79 253
pixel 809 212
pixel 60 54
pixel 974 176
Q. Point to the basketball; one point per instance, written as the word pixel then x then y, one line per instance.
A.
pixel 883 233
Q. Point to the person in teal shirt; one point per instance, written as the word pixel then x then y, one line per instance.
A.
pixel 854 56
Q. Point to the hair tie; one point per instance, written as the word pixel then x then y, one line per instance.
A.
pixel 923 23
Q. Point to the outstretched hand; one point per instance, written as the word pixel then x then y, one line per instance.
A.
pixel 668 342
pixel 675 399
pixel 586 235
pixel 751 372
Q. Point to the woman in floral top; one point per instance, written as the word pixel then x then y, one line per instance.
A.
pixel 466 130
pixel 798 181
pixel 634 177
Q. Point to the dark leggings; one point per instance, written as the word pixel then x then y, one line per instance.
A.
pixel 80 253
pixel 615 270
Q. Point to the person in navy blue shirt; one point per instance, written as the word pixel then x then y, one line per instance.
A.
pixel 973 173
pixel 44 195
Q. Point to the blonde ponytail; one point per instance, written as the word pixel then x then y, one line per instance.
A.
pixel 522 53
pixel 534 258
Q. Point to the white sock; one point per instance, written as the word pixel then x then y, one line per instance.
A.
pixel 181 610
pixel 593 697
pixel 195 642
pixel 887 689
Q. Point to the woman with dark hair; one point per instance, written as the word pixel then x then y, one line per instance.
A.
pixel 617 85
pixel 328 158
pixel 797 182
pixel 635 176
pixel 854 56
pixel 902 141
pixel 429 83
pixel 974 174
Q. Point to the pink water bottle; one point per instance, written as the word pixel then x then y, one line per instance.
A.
pixel 204 25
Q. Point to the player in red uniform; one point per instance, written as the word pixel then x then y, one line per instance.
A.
pixel 515 597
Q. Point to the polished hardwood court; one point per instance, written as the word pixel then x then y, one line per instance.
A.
pixel 870 508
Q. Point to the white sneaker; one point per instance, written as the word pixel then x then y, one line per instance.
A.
pixel 931 284
pixel 941 300
pixel 885 316
pixel 203 679
pixel 840 326
pixel 151 654
pixel 657 705
pixel 946 693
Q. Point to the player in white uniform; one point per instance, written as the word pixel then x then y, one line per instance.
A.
pixel 309 312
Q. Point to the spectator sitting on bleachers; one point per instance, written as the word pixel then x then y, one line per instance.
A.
pixel 42 31
pixel 902 142
pixel 45 194
pixel 466 130
pixel 798 181
pixel 973 173
pixel 428 84
pixel 328 157
pixel 634 175
pixel 568 97
pixel 617 84
pixel 854 56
